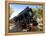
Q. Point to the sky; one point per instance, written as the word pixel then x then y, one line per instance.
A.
pixel 19 7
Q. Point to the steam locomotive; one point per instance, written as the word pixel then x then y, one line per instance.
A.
pixel 24 21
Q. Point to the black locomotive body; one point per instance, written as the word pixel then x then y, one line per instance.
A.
pixel 24 21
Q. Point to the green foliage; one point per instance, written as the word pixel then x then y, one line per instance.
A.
pixel 38 11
